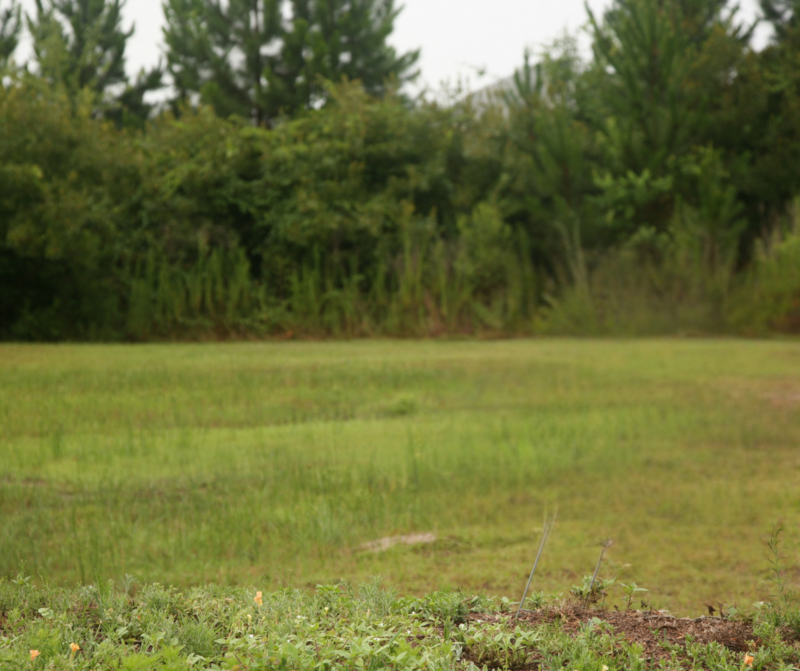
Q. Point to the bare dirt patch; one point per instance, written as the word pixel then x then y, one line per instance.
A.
pixel 788 396
pixel 390 541
pixel 654 631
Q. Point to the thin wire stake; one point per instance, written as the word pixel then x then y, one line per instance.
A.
pixel 606 544
pixel 548 524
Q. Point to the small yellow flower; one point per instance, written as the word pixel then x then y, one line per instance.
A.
pixel 748 660
pixel 74 647
pixel 35 654
pixel 259 601
pixel 605 668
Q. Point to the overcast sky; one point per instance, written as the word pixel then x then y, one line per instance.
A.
pixel 457 37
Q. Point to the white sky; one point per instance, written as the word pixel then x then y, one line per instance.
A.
pixel 457 37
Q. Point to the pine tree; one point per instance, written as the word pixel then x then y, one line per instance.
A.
pixel 662 69
pixel 130 108
pixel 10 26
pixel 80 44
pixel 784 15
pixel 262 58
pixel 341 38
pixel 643 59
pixel 221 52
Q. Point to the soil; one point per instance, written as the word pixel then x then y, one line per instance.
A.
pixel 650 629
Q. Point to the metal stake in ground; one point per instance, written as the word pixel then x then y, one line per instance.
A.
pixel 606 544
pixel 548 524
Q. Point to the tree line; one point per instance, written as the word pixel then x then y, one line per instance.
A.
pixel 288 185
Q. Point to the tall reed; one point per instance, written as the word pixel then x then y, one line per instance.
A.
pixel 215 294
pixel 420 289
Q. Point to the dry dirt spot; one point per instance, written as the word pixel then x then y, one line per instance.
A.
pixel 650 629
pixel 390 541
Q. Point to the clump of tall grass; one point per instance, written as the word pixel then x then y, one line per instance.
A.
pixel 215 293
pixel 768 298
pixel 482 282
pixel 655 284
pixel 429 287
pixel 668 283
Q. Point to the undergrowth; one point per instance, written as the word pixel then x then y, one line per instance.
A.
pixel 342 626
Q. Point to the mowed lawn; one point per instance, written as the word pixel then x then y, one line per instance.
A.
pixel 271 464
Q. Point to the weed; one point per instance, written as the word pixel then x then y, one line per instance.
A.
pixel 591 590
pixel 776 559
pixel 360 627
pixel 630 591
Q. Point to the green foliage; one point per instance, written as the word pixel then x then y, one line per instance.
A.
pixel 329 210
pixel 199 186
pixel 203 38
pixel 680 279
pixel 654 285
pixel 246 59
pixel 658 69
pixel 10 27
pixel 762 127
pixel 215 627
pixel 334 40
pixel 632 193
pixel 547 182
pixel 630 591
pixel 80 45
pixel 343 179
pixel 709 222
pixel 783 16
pixel 486 249
pixel 292 630
pixel 65 176
pixel 768 299
pixel 214 293
pixel 644 58
pixel 781 598
pixel 592 590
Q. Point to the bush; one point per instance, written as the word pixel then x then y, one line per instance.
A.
pixel 768 298
pixel 656 284
pixel 64 179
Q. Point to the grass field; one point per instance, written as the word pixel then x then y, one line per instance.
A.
pixel 271 464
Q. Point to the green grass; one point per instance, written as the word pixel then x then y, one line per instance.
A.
pixel 365 628
pixel 271 464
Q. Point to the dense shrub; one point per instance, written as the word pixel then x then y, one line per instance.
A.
pixel 637 192
pixel 65 179
pixel 768 298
